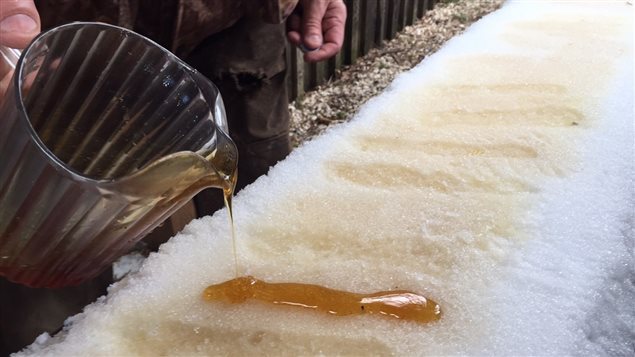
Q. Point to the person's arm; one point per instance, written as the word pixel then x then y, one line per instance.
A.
pixel 317 26
pixel 19 24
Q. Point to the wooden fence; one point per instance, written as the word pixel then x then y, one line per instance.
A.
pixel 368 24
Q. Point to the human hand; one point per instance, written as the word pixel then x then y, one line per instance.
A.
pixel 318 26
pixel 19 23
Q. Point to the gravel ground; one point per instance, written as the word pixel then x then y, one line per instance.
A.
pixel 340 98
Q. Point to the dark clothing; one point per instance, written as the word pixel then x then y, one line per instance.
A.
pixel 247 63
pixel 242 54
pixel 178 25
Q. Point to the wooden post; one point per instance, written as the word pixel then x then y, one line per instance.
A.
pixel 291 73
pixel 321 73
pixel 402 14
pixel 413 11
pixel 421 8
pixel 336 62
pixel 368 22
pixel 381 28
pixel 352 31
pixel 309 76
pixel 299 72
pixel 409 12
pixel 393 17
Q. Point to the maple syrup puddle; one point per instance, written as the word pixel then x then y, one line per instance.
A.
pixel 399 304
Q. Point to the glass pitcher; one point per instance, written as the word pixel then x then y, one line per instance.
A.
pixel 103 135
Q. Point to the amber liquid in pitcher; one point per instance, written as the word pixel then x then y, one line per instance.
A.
pixel 159 188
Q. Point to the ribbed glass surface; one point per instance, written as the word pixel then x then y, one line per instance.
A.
pixel 103 135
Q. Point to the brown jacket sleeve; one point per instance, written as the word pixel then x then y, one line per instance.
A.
pixel 276 11
pixel 179 25
pixel 198 19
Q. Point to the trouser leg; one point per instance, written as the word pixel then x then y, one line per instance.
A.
pixel 247 63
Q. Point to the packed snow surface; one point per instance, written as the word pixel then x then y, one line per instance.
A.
pixel 496 178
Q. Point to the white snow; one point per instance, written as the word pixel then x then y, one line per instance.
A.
pixel 496 177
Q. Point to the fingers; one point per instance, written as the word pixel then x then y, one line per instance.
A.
pixel 327 51
pixel 312 14
pixel 19 23
pixel 333 24
pixel 317 28
pixel 294 33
